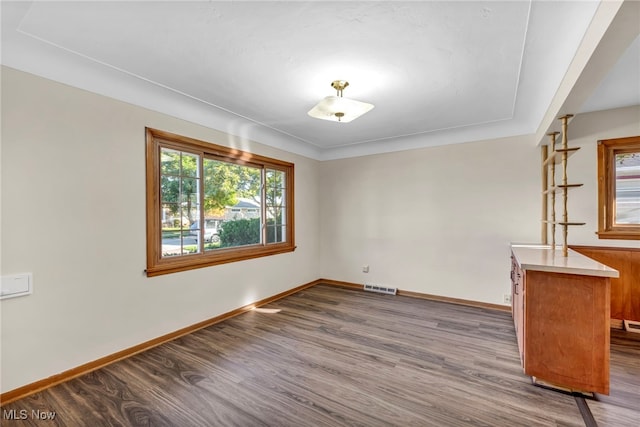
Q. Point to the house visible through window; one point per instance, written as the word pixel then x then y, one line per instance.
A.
pixel 208 204
pixel 619 188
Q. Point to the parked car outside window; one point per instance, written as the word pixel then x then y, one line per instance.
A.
pixel 211 230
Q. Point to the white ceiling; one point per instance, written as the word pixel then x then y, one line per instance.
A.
pixel 437 72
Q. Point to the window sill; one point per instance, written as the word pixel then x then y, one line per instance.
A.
pixel 619 235
pixel 175 265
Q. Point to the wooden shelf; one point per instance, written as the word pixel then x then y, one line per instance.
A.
pixel 561 187
pixel 562 223
pixel 568 186
pixel 556 155
pixel 551 156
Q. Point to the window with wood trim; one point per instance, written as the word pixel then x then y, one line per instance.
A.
pixel 208 204
pixel 619 188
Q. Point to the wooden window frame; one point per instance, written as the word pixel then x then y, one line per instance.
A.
pixel 607 228
pixel 158 265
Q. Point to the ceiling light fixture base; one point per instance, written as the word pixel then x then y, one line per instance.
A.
pixel 337 108
pixel 339 85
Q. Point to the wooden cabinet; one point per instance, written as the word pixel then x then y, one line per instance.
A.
pixel 562 327
pixel 625 290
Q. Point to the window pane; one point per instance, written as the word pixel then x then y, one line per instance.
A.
pixel 627 201
pixel 276 206
pixel 170 230
pixel 189 196
pixel 189 164
pixel 179 192
pixel 275 196
pixel 170 189
pixel 275 233
pixel 176 239
pixel 231 204
pixel 169 162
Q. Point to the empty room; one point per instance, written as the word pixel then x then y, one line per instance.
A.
pixel 320 213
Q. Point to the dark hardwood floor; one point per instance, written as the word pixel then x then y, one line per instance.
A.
pixel 334 357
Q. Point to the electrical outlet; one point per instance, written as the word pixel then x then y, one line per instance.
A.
pixel 365 268
pixel 506 298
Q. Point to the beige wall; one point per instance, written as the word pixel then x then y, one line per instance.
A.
pixel 73 214
pixel 436 220
pixel 440 220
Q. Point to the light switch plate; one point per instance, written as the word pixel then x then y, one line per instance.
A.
pixel 16 285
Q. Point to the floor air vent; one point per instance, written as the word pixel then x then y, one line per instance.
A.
pixel 380 289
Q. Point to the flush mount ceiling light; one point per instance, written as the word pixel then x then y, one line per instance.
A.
pixel 339 109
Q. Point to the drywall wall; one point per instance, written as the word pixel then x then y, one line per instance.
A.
pixel 73 214
pixel 436 220
pixel 440 220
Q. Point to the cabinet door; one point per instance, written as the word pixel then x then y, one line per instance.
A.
pixel 519 307
pixel 513 287
pixel 625 290
pixel 567 330
pixel 517 303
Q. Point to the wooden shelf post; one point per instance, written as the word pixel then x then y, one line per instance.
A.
pixel 550 157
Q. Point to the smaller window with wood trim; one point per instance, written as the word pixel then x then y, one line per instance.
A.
pixel 619 188
pixel 208 204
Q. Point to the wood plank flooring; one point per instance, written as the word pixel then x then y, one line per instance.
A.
pixel 333 357
pixel 623 401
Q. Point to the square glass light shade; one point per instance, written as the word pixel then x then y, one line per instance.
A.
pixel 339 109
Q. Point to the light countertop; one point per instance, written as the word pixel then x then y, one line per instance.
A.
pixel 543 258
